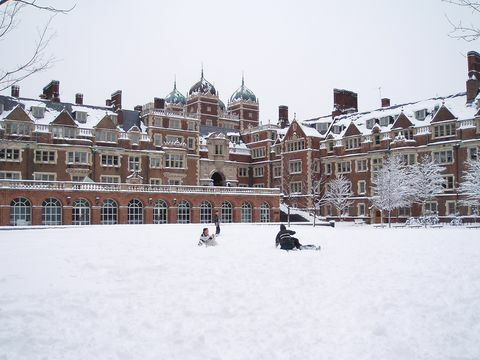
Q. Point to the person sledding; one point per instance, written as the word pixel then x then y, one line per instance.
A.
pixel 286 241
pixel 207 239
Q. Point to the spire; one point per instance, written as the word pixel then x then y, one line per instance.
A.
pixel 201 77
pixel 243 79
pixel 175 83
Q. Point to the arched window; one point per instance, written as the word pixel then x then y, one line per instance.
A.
pixel 246 213
pixel 160 212
pixel 109 213
pixel 183 215
pixel 135 212
pixel 81 212
pixel 20 212
pixel 264 212
pixel 205 212
pixel 226 212
pixel 51 212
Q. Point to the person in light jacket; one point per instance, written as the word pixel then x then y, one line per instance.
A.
pixel 207 239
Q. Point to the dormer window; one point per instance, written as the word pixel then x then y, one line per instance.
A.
pixel 420 114
pixel 386 120
pixel 38 112
pixel 81 116
pixel 370 123
pixel 322 127
pixel 114 118
pixel 337 129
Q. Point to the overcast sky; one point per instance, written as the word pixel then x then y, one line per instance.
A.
pixel 292 52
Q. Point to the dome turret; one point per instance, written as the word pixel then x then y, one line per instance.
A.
pixel 202 87
pixel 175 97
pixel 243 94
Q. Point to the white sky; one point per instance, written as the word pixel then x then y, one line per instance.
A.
pixel 292 53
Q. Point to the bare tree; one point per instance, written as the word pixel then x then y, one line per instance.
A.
pixel 469 32
pixel 339 194
pixel 470 185
pixel 10 13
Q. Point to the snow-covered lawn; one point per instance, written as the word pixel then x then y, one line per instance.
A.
pixel 149 292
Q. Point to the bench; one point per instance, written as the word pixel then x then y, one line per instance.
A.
pixel 437 226
pixel 359 222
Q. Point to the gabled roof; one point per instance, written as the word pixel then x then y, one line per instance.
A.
pixel 443 114
pixel 64 118
pixel 402 122
pixel 106 123
pixel 18 114
pixel 352 130
pixel 134 128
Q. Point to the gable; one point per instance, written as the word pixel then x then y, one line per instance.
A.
pixel 294 131
pixel 134 128
pixel 402 122
pixel 352 130
pixel 106 123
pixel 64 118
pixel 443 114
pixel 18 114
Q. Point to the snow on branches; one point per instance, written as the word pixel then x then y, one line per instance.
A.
pixel 339 193
pixel 470 186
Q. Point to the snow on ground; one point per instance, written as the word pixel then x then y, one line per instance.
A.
pixel 149 292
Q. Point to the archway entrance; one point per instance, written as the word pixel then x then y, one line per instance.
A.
pixel 218 179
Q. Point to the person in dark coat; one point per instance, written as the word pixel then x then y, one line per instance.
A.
pixel 286 240
pixel 216 221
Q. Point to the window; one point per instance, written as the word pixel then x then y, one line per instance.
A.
pixel 473 153
pixel 157 140
pixel 81 116
pixel 205 212
pixel 255 137
pixel 174 161
pixel 218 149
pixel 295 167
pixel 191 125
pixel 450 208
pixel 110 160
pixel 174 124
pixel 226 212
pixel 421 114
pixel 404 211
pixel 260 185
pixel 444 130
pixel 258 153
pixel 258 171
pixel 10 155
pixel 155 162
pixel 134 137
pixel 191 143
pixel 78 157
pixel 264 213
pixel 110 179
pixel 10 175
pixel 17 128
pixel 155 181
pixel 134 163
pixel 361 209
pixel 38 111
pixel 361 187
pixel 362 165
pixel 209 109
pixel 78 178
pixel 376 139
pixel 81 212
pixel 160 211
pixel 443 157
pixel 352 143
pixel 41 176
pixel 105 136
pixel 330 146
pixel 135 212
pixel 246 213
pixel 174 182
pixel 316 166
pixel 295 145
pixel 343 167
pixel 449 183
pixel 171 139
pixel 183 212
pixel 277 171
pixel 377 164
pixel 243 172
pixel 20 212
pixel 328 168
pixel 431 208
pixel 109 212
pixel 45 157
pixel 157 122
pixel 63 132
pixel 51 212
pixel 384 121
pixel 296 187
pixel 408 159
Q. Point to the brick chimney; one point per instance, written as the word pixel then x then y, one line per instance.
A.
pixel 385 102
pixel 473 82
pixel 283 116
pixel 116 100
pixel 159 103
pixel 138 108
pixel 344 101
pixel 15 91
pixel 52 91
pixel 79 99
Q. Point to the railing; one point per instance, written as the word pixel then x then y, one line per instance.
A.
pixel 229 117
pixel 85 132
pixel 422 130
pixel 42 128
pixel 466 123
pixel 95 187
pixel 162 112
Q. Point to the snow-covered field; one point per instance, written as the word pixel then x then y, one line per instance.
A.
pixel 149 292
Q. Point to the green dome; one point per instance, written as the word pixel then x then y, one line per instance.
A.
pixel 243 94
pixel 175 97
pixel 221 104
pixel 202 87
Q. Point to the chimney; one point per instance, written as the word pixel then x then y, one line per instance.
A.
pixel 138 108
pixel 108 102
pixel 473 82
pixel 283 116
pixel 79 99
pixel 159 103
pixel 385 102
pixel 15 91
pixel 116 100
pixel 52 91
pixel 344 101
